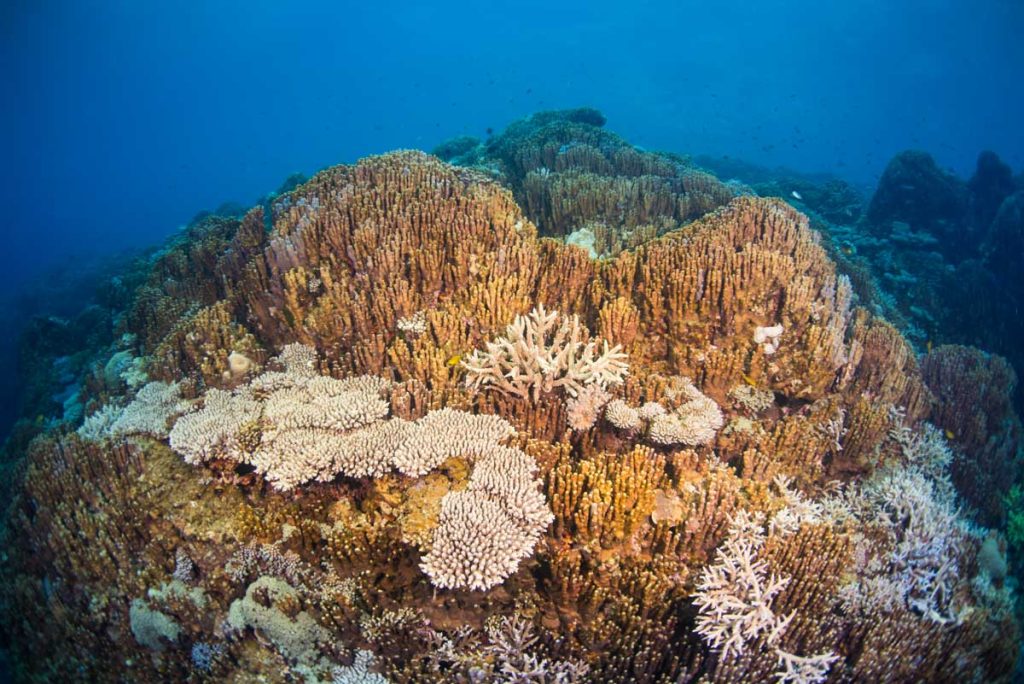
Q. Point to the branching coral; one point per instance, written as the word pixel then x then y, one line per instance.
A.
pixel 539 354
pixel 153 407
pixel 734 595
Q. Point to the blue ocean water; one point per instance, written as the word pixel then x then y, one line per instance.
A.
pixel 121 120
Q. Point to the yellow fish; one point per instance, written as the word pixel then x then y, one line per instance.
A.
pixel 749 380
pixel 949 434
pixel 454 361
pixel 928 346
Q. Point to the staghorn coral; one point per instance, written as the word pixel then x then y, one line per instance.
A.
pixel 462 535
pixel 734 595
pixel 535 357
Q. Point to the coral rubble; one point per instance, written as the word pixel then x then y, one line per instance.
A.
pixel 403 437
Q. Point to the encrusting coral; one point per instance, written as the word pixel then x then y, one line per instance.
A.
pixel 394 438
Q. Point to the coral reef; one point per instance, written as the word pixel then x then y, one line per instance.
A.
pixel 402 437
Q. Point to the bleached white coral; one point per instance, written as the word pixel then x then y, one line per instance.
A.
pixel 799 510
pixel 97 425
pixel 918 541
pixel 768 338
pixel 295 426
pixel 153 406
pixel 513 648
pixel 368 452
pixel 796 669
pixel 213 431
pixel 443 434
pixel 485 531
pixel 696 421
pixel 622 415
pixel 583 410
pixel 734 594
pixel 702 418
pixel 414 325
pixel 296 636
pixel 322 403
pixel 307 426
pixel 542 352
pixel 293 457
pixel 508 475
pixel 834 430
pixel 298 359
pixel 651 410
pixel 752 399
pixel 478 542
pixel 152 628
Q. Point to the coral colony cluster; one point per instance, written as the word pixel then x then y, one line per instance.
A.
pixel 564 411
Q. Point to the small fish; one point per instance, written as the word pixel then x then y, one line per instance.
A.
pixel 950 435
pixel 454 361
pixel 749 380
pixel 928 346
pixel 796 195
pixel 847 250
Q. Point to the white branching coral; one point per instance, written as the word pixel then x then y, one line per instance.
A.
pixel 734 594
pixel 296 635
pixel 752 399
pixel 927 538
pixel 918 543
pixel 834 430
pixel 542 352
pixel 514 649
pixel 359 671
pixel 477 544
pixel 323 402
pixel 294 426
pixel 799 510
pixel 487 529
pixel 445 433
pixel 97 425
pixel 154 405
pixel 650 411
pixel 925 449
pixel 306 429
pixel 214 430
pixel 794 669
pixel 148 414
pixel 693 423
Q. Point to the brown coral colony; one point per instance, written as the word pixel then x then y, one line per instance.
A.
pixel 419 432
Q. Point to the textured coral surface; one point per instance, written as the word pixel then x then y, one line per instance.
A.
pixel 413 433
